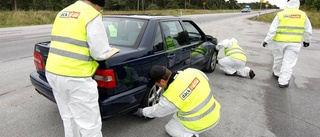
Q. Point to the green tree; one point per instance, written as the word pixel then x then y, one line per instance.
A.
pixel 316 5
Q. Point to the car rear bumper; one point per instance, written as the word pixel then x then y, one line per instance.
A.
pixel 41 86
pixel 109 106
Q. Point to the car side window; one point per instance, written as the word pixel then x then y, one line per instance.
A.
pixel 158 42
pixel 194 34
pixel 173 34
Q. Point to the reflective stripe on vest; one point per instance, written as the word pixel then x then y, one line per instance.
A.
pixel 69 53
pixel 200 106
pixel 199 116
pixel 191 87
pixel 235 51
pixel 291 26
pixel 70 41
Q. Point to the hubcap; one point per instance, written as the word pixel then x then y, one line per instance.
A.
pixel 154 95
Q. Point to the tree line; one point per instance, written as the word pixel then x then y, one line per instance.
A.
pixel 56 5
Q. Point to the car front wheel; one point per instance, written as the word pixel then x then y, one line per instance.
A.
pixel 212 63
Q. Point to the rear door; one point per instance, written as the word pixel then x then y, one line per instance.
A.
pixel 176 45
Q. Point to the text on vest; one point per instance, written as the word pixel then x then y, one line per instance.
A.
pixel 70 14
pixel 190 88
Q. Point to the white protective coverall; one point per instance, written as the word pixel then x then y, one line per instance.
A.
pixel 174 127
pixel 285 55
pixel 77 98
pixel 231 65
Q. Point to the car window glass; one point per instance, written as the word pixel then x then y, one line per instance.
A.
pixel 194 34
pixel 173 34
pixel 123 31
pixel 158 42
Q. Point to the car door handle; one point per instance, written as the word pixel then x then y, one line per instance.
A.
pixel 184 49
pixel 171 56
pixel 193 49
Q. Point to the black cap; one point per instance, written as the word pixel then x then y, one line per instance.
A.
pixel 101 3
pixel 155 74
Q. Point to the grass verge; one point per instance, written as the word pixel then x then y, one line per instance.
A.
pixel 314 18
pixel 27 18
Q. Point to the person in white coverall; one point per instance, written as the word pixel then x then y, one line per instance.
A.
pixel 188 95
pixel 233 64
pixel 78 39
pixel 288 31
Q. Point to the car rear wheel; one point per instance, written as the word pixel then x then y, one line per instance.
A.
pixel 212 63
pixel 152 97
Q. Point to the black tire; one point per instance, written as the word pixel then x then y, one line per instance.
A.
pixel 212 63
pixel 151 97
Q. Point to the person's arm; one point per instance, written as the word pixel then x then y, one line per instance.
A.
pixel 272 30
pixel 161 109
pixel 226 43
pixel 307 31
pixel 98 40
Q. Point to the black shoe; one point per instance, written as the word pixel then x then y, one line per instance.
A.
pixel 234 74
pixel 275 76
pixel 251 74
pixel 284 86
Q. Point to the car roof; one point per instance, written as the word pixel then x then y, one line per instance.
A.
pixel 147 17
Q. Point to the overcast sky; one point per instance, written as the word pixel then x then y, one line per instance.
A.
pixel 279 3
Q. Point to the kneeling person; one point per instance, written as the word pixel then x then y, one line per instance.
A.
pixel 188 95
pixel 233 64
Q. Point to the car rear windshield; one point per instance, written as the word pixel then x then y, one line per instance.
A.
pixel 123 31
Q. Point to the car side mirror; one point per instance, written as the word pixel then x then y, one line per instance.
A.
pixel 212 39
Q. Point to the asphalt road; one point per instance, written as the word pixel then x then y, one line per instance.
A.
pixel 250 108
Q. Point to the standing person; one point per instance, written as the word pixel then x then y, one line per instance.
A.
pixel 78 39
pixel 188 95
pixel 233 64
pixel 288 30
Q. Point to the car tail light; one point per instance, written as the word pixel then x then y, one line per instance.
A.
pixel 105 78
pixel 38 60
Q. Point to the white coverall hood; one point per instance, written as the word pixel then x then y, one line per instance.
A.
pixel 228 42
pixel 293 4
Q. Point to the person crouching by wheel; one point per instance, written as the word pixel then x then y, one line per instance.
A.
pixel 188 95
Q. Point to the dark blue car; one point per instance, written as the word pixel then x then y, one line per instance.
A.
pixel 144 41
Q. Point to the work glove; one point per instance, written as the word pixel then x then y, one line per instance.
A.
pixel 216 47
pixel 138 112
pixel 264 44
pixel 305 44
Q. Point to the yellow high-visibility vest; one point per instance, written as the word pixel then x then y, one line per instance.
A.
pixel 291 26
pixel 69 53
pixel 190 92
pixel 235 51
pixel 113 31
pixel 170 44
pixel 199 50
